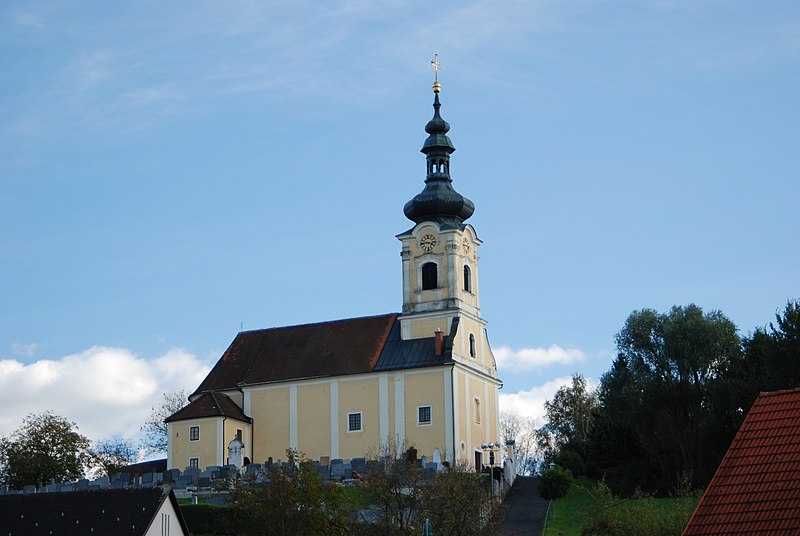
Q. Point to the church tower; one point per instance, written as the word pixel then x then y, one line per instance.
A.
pixel 440 258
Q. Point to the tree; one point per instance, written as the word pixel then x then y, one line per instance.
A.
pixel 457 502
pixel 659 399
pixel 295 500
pixel 154 427
pixel 394 487
pixel 45 448
pixel 570 416
pixel 522 430
pixel 109 455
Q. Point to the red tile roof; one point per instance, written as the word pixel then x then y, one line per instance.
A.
pixel 210 405
pixel 334 348
pixel 756 489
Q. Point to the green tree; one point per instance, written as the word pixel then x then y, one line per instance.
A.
pixel 154 427
pixel 295 500
pixel 109 455
pixel 660 394
pixel 570 416
pixel 45 448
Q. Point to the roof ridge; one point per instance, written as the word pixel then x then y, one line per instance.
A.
pixel 321 322
pixel 779 392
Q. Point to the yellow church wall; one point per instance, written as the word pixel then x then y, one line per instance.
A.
pixel 427 327
pixel 270 413
pixel 359 396
pixel 425 389
pixel 313 419
pixel 204 449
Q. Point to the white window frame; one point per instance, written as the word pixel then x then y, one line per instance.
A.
pixel 360 421
pixel 194 462
pixel 192 429
pixel 430 415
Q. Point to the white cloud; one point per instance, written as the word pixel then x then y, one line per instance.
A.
pixel 106 391
pixel 530 403
pixel 530 358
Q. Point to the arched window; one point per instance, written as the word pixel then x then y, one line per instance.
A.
pixel 467 279
pixel 430 277
pixel 471 345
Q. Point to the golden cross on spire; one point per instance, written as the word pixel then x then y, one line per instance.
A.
pixel 435 63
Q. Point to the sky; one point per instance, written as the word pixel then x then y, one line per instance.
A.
pixel 173 172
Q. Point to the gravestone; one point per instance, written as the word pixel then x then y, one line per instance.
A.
pixel 204 482
pixel 337 468
pixel 28 489
pixel 359 465
pixel 119 484
pixel 82 485
pixel 347 470
pixel 324 471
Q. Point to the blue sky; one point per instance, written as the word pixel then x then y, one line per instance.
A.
pixel 170 172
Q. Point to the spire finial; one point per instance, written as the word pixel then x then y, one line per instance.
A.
pixel 435 63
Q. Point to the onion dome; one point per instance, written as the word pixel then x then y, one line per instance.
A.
pixel 438 201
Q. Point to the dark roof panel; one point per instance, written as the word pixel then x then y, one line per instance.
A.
pixel 124 511
pixel 210 404
pixel 334 348
pixel 400 354
pixel 756 488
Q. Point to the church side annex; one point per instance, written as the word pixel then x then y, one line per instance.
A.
pixel 425 377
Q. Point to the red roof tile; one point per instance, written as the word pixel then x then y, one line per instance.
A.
pixel 756 489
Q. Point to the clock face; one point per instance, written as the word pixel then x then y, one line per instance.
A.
pixel 427 242
pixel 465 244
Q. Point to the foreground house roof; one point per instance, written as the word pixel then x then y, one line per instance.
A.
pixel 119 512
pixel 340 347
pixel 756 489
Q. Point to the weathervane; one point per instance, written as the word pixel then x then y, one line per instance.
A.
pixel 436 67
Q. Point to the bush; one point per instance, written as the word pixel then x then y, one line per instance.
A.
pixel 554 483
pixel 572 460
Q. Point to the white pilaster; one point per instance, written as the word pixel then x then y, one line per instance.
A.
pixel 468 416
pixel 449 432
pixel 399 409
pixel 383 407
pixel 293 416
pixel 334 419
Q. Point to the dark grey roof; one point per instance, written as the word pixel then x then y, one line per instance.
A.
pixel 116 511
pixel 414 353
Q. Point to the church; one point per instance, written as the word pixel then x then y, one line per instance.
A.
pixel 425 377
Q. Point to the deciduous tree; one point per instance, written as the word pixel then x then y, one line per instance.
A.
pixel 45 448
pixel 109 455
pixel 154 428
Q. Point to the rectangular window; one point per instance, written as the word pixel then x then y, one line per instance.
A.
pixel 194 433
pixel 424 415
pixel 354 422
pixel 239 434
pixel 194 462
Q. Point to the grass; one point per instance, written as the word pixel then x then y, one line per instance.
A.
pixel 648 515
pixel 568 513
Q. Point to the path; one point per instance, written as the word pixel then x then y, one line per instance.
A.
pixel 525 511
